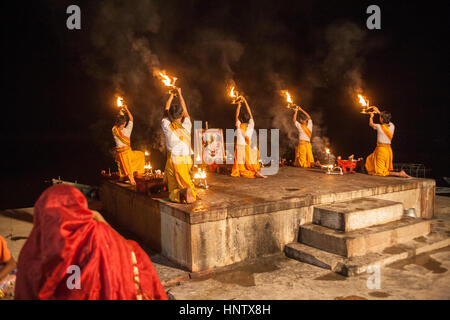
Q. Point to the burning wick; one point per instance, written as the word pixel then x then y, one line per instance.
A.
pixel 291 104
pixel 146 153
pixel 148 168
pixel 169 82
pixel 235 95
pixel 365 103
pixel 200 178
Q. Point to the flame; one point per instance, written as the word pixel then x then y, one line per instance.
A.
pixel 167 81
pixel 148 166
pixel 200 174
pixel 146 153
pixel 327 150
pixel 198 158
pixel 362 100
pixel 232 93
pixel 288 96
pixel 119 101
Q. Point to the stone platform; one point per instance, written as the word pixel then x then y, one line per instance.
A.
pixel 238 218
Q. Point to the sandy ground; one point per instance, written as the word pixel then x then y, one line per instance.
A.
pixel 276 277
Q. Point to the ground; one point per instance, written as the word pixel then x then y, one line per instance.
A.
pixel 425 276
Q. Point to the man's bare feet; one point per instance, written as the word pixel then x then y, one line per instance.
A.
pixel 259 175
pixel 189 197
pixel 186 196
pixel 402 174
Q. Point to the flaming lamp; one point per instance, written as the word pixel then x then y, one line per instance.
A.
pixel 200 179
pixel 236 96
pixel 291 104
pixel 367 109
pixel 169 82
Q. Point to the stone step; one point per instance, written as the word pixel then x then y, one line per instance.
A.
pixel 363 241
pixel 357 214
pixel 357 265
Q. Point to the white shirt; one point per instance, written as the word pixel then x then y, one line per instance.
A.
pixel 301 134
pixel 240 135
pixel 126 131
pixel 173 142
pixel 381 136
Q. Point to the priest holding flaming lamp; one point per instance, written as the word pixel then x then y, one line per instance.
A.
pixel 246 155
pixel 380 162
pixel 177 126
pixel 303 153
pixel 128 161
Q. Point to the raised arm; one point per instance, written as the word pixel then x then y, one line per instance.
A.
pixel 294 118
pixel 183 104
pixel 238 109
pixel 306 113
pixel 130 116
pixel 166 109
pixel 248 107
pixel 371 120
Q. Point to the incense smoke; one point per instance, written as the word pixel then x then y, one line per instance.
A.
pixel 131 40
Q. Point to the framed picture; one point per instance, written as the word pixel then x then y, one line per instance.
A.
pixel 209 146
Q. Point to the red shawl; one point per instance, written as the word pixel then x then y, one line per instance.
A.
pixel 64 233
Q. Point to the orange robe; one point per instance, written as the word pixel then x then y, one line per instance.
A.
pixel 246 159
pixel 303 153
pixel 380 162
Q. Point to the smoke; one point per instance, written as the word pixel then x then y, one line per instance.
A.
pixel 133 40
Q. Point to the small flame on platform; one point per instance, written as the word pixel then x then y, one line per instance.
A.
pixel 327 150
pixel 146 153
pixel 148 166
pixel 200 174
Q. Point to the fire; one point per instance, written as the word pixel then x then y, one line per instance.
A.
pixel 146 153
pixel 200 174
pixel 362 100
pixel 288 96
pixel 119 102
pixel 232 93
pixel 167 81
pixel 148 166
pixel 327 150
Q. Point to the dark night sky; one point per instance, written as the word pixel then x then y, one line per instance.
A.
pixel 57 84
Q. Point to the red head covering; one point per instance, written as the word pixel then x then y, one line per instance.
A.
pixel 65 234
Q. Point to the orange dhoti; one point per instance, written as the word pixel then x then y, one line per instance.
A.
pixel 246 162
pixel 379 163
pixel 177 175
pixel 129 161
pixel 303 154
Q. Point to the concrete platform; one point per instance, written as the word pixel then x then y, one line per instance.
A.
pixel 357 214
pixel 239 219
pixel 361 242
pixel 436 239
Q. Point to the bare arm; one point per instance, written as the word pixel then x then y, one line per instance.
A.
pixel 168 103
pixel 306 113
pixel 7 268
pixel 294 118
pixel 248 108
pixel 238 109
pixel 130 116
pixel 183 104
pixel 371 121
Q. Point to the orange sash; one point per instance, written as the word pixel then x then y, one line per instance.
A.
pixel 119 135
pixel 306 131
pixel 386 131
pixel 181 133
pixel 244 133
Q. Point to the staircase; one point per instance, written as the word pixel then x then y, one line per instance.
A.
pixel 347 237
